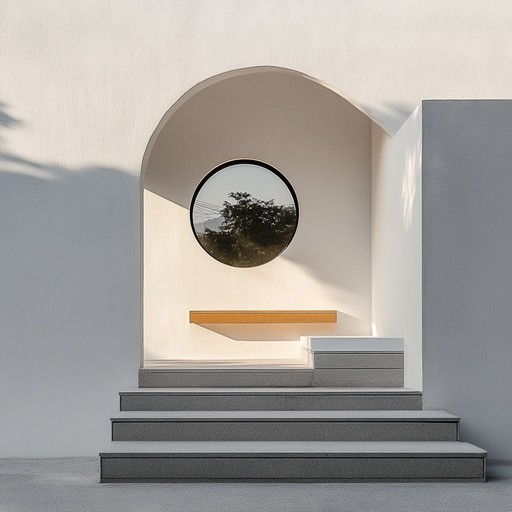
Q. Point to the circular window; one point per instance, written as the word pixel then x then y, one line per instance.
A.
pixel 244 213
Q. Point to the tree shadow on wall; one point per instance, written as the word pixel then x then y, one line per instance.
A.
pixel 6 120
pixel 70 256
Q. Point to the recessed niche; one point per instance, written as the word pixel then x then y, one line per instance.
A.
pixel 321 144
pixel 244 213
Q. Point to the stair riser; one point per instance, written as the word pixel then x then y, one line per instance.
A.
pixel 351 377
pixel 284 431
pixel 273 468
pixel 358 360
pixel 269 403
pixel 241 379
pixel 359 377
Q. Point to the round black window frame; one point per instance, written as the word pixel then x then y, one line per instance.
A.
pixel 249 161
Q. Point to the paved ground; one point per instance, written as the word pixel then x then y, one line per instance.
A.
pixel 71 485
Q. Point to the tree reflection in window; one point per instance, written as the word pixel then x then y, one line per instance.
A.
pixel 256 221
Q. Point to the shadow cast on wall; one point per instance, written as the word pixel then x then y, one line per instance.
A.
pixel 394 116
pixel 280 332
pixel 70 259
pixel 6 120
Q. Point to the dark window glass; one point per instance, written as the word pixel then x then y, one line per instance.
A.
pixel 244 213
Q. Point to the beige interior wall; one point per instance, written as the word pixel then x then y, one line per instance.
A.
pixel 321 143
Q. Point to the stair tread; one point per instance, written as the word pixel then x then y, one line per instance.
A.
pixel 293 448
pixel 274 391
pixel 358 344
pixel 229 369
pixel 320 415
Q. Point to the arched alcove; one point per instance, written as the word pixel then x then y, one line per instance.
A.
pixel 322 144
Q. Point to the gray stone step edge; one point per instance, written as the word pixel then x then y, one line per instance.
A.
pixel 293 449
pixel 358 415
pixel 270 398
pixel 274 391
pixel 252 461
pixel 225 377
pixel 352 377
pixel 286 426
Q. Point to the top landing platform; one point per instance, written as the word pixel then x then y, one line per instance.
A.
pixel 351 344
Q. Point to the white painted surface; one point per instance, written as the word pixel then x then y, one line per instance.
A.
pixel 88 82
pixel 321 143
pixel 467 257
pixel 396 240
pixel 356 344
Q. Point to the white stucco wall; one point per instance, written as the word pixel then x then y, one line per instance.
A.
pixel 83 86
pixel 321 143
pixel 396 240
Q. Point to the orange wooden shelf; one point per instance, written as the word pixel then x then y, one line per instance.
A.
pixel 263 317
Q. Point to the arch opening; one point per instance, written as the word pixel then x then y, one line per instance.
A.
pixel 322 144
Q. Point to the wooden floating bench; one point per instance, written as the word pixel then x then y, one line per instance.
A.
pixel 263 317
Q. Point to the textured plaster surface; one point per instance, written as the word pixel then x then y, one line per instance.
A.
pixel 83 86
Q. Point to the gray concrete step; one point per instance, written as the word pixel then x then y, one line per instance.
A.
pixel 358 352
pixel 379 360
pixel 285 426
pixel 270 399
pixel 291 461
pixel 348 418
pixel 225 377
pixel 274 377
pixel 355 361
pixel 359 377
pixel 333 361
